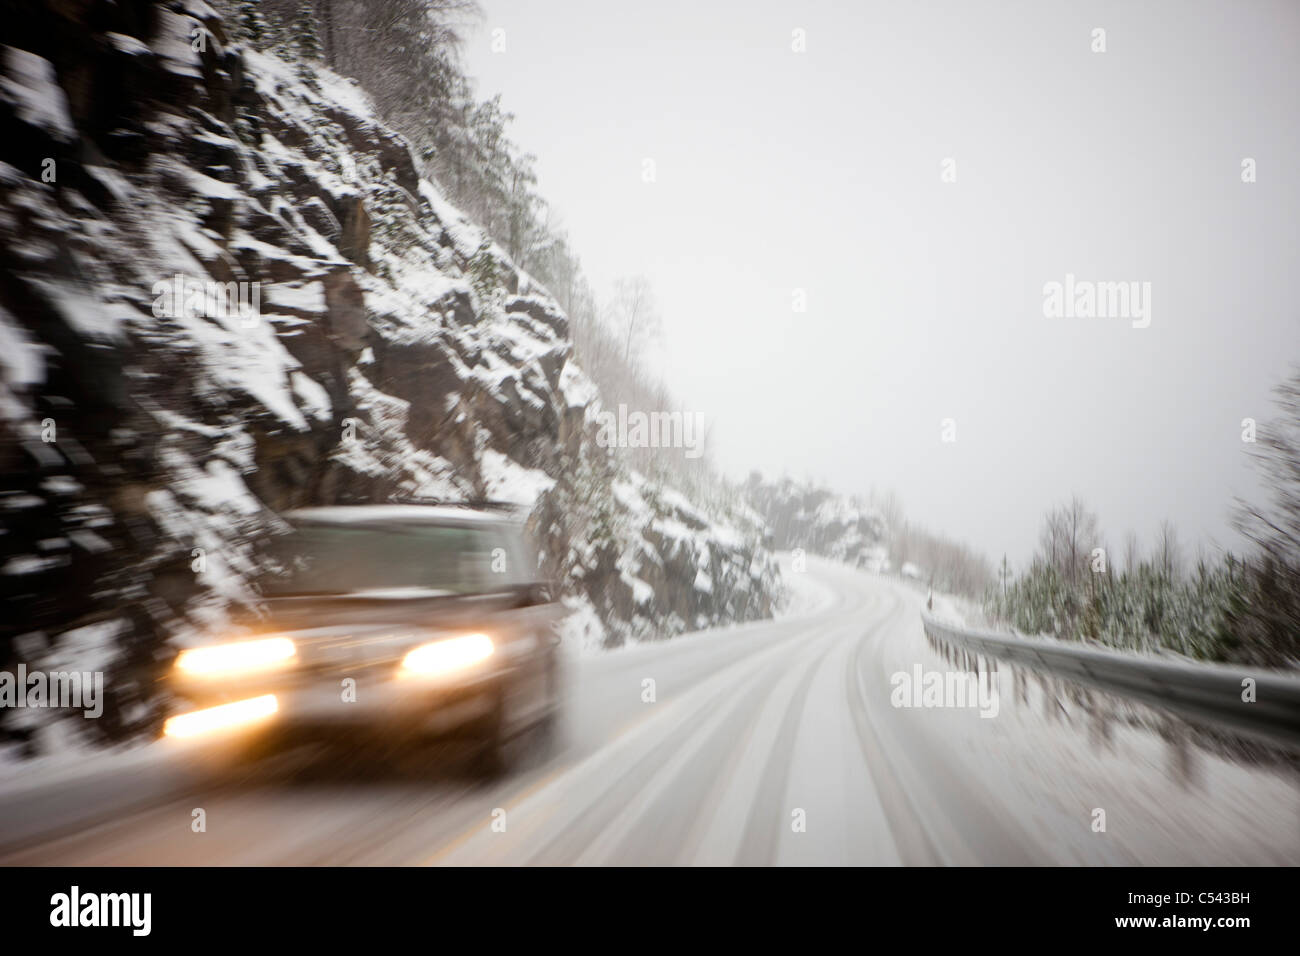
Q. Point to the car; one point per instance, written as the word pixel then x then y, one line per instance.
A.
pixel 407 622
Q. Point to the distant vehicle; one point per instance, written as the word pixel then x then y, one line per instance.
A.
pixel 409 621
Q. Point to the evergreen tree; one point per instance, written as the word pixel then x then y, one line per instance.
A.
pixel 306 38
pixel 252 24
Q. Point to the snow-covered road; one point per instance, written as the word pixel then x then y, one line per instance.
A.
pixel 768 743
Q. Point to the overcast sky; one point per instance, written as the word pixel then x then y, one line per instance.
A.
pixel 821 171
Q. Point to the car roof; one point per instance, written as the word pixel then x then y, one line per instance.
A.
pixel 429 515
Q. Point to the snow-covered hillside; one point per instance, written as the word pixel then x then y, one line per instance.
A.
pixel 386 346
pixel 821 522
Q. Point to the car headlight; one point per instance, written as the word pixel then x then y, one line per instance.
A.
pixel 449 654
pixel 224 717
pixel 240 657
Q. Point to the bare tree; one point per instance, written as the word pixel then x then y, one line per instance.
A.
pixel 635 311
pixel 1082 535
pixel 1269 623
pixel 890 507
pixel 1168 556
pixel 1051 540
pixel 1068 535
pixel 1276 530
pixel 1132 553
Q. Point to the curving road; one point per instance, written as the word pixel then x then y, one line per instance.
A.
pixel 769 743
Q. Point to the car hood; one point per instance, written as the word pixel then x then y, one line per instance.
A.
pixel 375 611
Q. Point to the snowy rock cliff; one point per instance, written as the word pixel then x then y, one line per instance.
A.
pixel 821 522
pixel 224 292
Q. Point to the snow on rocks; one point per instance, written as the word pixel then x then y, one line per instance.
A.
pixel 394 349
pixel 31 90
pixel 821 522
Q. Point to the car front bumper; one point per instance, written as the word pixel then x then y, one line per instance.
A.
pixel 322 705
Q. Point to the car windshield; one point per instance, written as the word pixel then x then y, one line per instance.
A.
pixel 423 561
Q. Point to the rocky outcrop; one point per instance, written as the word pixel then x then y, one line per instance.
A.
pixel 653 564
pixel 224 292
pixel 820 522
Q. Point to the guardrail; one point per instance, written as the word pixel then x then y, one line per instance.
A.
pixel 1207 693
